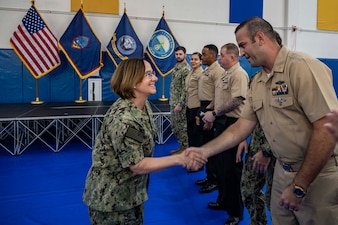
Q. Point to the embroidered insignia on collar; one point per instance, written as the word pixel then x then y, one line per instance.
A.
pixel 225 80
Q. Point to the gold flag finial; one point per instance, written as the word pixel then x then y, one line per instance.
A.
pixel 81 4
pixel 125 8
pixel 32 1
pixel 163 10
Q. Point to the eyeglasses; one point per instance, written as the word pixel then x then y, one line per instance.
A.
pixel 150 74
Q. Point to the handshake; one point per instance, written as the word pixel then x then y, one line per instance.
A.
pixel 192 158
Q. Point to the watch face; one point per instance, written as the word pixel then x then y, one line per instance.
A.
pixel 266 154
pixel 299 193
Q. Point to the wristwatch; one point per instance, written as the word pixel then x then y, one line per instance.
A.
pixel 214 113
pixel 266 153
pixel 298 191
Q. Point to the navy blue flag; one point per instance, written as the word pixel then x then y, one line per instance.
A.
pixel 124 44
pixel 81 46
pixel 160 50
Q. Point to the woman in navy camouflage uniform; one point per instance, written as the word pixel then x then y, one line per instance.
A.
pixel 116 184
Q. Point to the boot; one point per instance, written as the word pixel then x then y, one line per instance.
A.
pixel 177 151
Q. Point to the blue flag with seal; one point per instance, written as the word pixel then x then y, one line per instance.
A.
pixel 81 46
pixel 160 51
pixel 124 44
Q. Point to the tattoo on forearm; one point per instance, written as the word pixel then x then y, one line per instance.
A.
pixel 233 104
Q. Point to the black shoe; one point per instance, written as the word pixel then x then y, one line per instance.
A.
pixel 233 220
pixel 201 182
pixel 215 206
pixel 208 188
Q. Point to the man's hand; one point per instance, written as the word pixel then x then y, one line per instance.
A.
pixel 243 146
pixel 261 162
pixel 207 126
pixel 208 117
pixel 197 120
pixel 178 108
pixel 196 158
pixel 289 200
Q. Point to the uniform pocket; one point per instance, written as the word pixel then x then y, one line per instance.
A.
pixel 281 102
pixel 257 105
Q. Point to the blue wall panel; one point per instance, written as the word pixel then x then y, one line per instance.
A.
pixel 11 83
pixel 241 10
pixel 333 65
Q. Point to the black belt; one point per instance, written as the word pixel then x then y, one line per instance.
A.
pixel 205 104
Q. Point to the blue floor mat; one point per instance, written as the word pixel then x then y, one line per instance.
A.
pixel 43 187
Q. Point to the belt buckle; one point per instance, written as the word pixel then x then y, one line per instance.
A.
pixel 287 167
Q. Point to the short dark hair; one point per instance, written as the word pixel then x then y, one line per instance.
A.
pixel 199 55
pixel 212 48
pixel 278 38
pixel 255 24
pixel 180 48
pixel 127 74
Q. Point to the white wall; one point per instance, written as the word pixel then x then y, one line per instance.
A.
pixel 193 22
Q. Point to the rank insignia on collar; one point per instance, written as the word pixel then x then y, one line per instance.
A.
pixel 225 80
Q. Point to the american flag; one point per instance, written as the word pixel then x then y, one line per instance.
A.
pixel 35 44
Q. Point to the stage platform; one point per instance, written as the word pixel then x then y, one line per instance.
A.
pixel 57 124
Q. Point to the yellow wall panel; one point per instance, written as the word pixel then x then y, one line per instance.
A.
pixel 96 6
pixel 327 16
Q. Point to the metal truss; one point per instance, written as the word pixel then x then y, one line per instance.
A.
pixel 19 134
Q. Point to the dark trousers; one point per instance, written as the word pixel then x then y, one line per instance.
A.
pixel 194 135
pixel 228 173
pixel 206 136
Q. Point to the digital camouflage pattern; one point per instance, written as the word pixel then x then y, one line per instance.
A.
pixel 134 216
pixel 252 182
pixel 110 185
pixel 178 96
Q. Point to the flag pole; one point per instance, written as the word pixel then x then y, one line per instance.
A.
pixel 163 98
pixel 37 100
pixel 80 100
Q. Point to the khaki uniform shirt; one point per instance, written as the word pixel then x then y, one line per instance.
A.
pixel 208 81
pixel 298 92
pixel 191 84
pixel 233 83
pixel 126 136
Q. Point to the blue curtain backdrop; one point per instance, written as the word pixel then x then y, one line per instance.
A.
pixel 17 85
